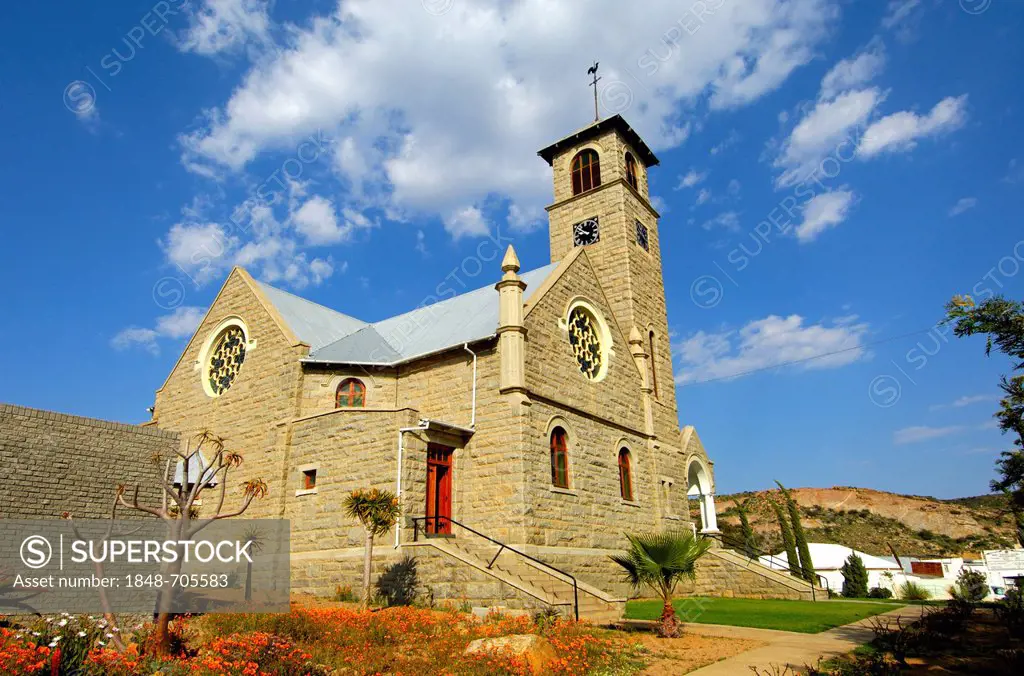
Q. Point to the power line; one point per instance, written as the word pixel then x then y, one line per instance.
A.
pixel 806 359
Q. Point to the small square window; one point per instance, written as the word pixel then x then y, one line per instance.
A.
pixel 309 479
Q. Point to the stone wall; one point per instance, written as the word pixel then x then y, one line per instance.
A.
pixel 52 462
pixel 728 574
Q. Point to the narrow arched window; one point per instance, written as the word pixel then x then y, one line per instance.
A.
pixel 654 364
pixel 631 176
pixel 351 394
pixel 625 475
pixel 586 171
pixel 559 459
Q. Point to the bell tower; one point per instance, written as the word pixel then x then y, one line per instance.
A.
pixel 602 203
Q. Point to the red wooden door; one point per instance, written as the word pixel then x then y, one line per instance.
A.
pixel 439 489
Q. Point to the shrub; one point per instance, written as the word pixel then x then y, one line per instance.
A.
pixel 855 577
pixel 971 586
pixel 875 664
pixel 345 594
pixel 892 636
pixel 1010 611
pixel 879 593
pixel 399 583
pixel 912 591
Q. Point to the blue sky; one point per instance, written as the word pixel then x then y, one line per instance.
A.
pixel 832 173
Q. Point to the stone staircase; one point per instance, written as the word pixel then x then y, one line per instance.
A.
pixel 536 580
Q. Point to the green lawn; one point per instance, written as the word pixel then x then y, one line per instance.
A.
pixel 808 617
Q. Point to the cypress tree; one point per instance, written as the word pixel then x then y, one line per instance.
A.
pixel 855 577
pixel 749 541
pixel 787 540
pixel 806 565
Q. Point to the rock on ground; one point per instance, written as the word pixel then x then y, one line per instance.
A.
pixel 536 650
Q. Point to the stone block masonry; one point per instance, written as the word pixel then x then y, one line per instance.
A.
pixel 53 462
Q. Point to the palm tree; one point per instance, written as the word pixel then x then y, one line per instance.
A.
pixel 660 561
pixel 378 511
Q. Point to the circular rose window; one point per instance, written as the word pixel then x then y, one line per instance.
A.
pixel 585 339
pixel 226 356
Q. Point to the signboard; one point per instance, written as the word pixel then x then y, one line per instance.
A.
pixel 1005 559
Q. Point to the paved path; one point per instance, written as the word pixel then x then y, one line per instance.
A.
pixel 790 648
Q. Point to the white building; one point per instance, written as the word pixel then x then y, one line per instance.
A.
pixel 1001 567
pixel 828 562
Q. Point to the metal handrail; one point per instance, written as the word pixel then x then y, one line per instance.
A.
pixel 742 547
pixel 502 546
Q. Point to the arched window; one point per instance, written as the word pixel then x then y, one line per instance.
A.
pixel 631 171
pixel 654 365
pixel 559 458
pixel 351 394
pixel 586 171
pixel 625 475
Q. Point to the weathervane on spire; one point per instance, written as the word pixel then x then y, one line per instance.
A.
pixel 593 71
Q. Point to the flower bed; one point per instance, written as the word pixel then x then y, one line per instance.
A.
pixel 311 641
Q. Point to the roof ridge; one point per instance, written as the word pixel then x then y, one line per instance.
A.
pixel 405 333
pixel 310 302
pixel 458 295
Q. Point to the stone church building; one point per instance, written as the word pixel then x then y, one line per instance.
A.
pixel 525 425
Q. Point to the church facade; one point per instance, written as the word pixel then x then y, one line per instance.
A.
pixel 537 412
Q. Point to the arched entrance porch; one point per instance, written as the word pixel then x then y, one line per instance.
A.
pixel 699 488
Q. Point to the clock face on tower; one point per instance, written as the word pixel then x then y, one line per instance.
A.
pixel 585 232
pixel 641 236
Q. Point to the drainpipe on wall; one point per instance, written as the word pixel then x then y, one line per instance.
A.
pixel 398 489
pixel 472 421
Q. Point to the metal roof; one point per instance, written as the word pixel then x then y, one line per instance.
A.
pixel 828 556
pixel 615 122
pixel 426 330
pixel 313 324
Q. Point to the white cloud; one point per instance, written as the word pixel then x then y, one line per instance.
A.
pixel 438 114
pixel 822 130
pixel 703 196
pixel 468 221
pixel 854 72
pixel 898 11
pixel 692 178
pixel 729 141
pixel 178 324
pixel 768 342
pixel 822 212
pixel 317 221
pixel 900 131
pixel 136 336
pixel 224 25
pixel 966 400
pixel 272 247
pixel 963 204
pixel 918 433
pixel 1014 172
pixel 421 243
pixel 728 220
pixel 200 250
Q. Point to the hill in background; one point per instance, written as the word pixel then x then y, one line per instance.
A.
pixel 870 521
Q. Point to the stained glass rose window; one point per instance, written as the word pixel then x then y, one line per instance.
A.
pixel 225 360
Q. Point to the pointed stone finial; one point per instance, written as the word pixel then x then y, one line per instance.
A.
pixel 635 338
pixel 510 262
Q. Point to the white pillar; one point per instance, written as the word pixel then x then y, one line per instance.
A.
pixel 708 513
